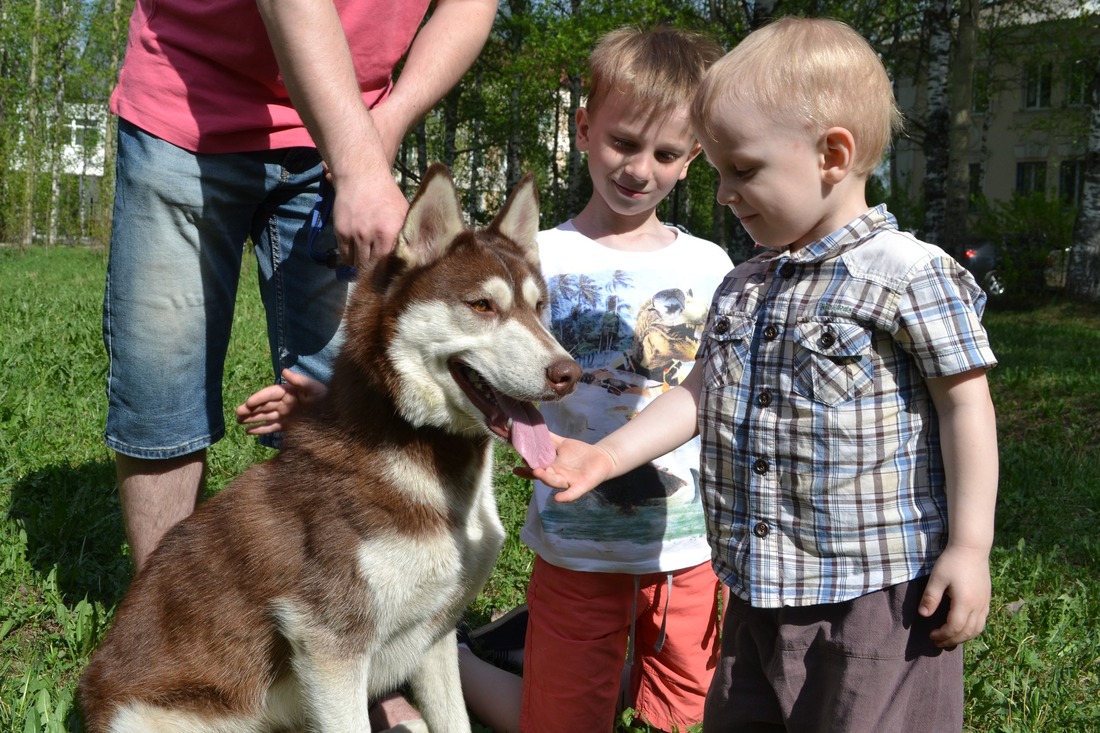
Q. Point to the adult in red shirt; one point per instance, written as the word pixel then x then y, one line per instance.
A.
pixel 227 109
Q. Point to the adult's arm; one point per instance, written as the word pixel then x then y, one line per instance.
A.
pixel 358 147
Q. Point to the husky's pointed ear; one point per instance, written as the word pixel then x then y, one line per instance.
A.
pixel 433 221
pixel 519 219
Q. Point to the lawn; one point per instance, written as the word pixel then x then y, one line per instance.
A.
pixel 63 563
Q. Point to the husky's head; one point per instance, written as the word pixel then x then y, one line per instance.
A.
pixel 466 344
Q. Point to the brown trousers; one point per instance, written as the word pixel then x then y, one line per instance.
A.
pixel 862 665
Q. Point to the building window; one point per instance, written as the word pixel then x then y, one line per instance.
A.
pixel 1037 78
pixel 1077 83
pixel 1031 177
pixel 83 133
pixel 1071 177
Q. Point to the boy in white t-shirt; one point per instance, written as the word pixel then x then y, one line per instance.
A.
pixel 625 572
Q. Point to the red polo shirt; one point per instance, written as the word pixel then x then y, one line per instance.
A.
pixel 201 74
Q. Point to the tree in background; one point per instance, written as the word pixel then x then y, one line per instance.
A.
pixel 55 65
pixel 937 122
pixel 515 111
pixel 960 91
pixel 1083 273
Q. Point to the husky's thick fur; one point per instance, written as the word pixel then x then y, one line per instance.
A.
pixel 336 571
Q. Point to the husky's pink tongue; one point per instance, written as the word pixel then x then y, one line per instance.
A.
pixel 528 435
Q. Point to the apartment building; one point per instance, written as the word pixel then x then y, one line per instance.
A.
pixel 1029 117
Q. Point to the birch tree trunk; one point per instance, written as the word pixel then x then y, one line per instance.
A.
pixel 420 134
pixel 474 199
pixel 577 170
pixel 961 92
pixel 57 116
pixel 105 198
pixel 450 125
pixel 30 150
pixel 938 124
pixel 56 163
pixel 515 39
pixel 1083 273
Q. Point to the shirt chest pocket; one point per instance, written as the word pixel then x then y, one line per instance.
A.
pixel 726 348
pixel 832 361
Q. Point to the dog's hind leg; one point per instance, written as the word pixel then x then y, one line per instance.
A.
pixel 438 691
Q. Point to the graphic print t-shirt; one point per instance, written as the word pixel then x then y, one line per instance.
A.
pixel 632 320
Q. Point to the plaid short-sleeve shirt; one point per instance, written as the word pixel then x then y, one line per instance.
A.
pixel 822 475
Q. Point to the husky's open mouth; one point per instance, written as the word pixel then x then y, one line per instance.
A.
pixel 518 422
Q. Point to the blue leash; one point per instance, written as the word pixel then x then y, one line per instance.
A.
pixel 322 210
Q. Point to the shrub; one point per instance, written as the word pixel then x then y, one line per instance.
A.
pixel 1026 228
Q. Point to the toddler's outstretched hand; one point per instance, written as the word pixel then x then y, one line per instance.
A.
pixel 273 408
pixel 578 468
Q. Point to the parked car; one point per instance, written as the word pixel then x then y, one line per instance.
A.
pixel 983 259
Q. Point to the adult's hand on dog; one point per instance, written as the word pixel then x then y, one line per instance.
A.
pixel 367 214
pixel 578 468
pixel 273 408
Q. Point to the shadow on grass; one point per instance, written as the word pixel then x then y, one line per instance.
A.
pixel 73 521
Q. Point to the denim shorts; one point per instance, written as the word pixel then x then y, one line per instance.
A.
pixel 181 222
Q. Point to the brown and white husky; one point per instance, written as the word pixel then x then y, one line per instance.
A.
pixel 337 570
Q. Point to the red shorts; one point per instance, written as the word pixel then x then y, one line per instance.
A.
pixel 577 639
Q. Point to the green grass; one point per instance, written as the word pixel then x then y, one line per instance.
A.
pixel 63 565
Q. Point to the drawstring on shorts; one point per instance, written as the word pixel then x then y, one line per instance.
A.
pixel 625 700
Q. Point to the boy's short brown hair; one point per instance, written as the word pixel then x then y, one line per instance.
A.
pixel 807 73
pixel 658 69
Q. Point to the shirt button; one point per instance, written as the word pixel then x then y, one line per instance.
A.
pixel 721 326
pixel 761 529
pixel 770 332
pixel 764 398
pixel 786 270
pixel 761 465
pixel 827 339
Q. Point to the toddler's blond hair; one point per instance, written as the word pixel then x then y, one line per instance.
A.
pixel 809 74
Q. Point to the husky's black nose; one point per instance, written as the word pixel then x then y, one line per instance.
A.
pixel 563 375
